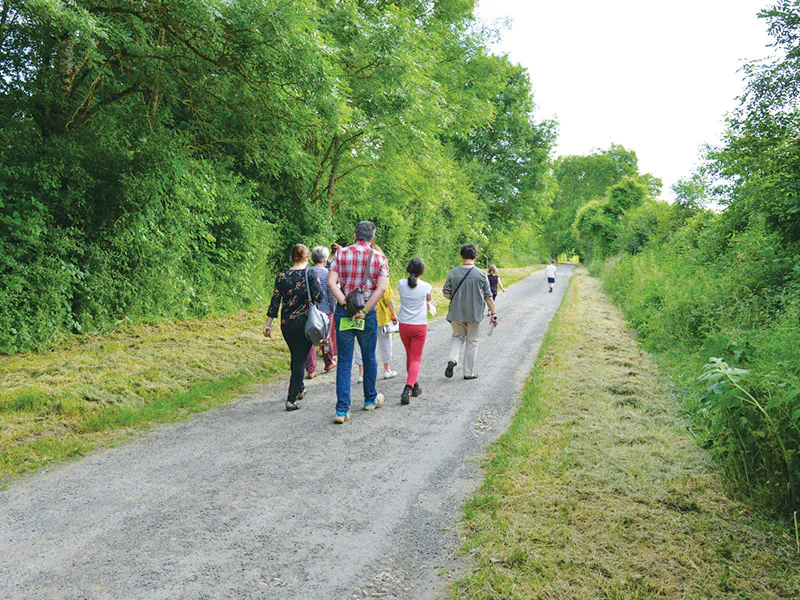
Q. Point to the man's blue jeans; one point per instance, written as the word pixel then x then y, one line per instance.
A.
pixel 345 340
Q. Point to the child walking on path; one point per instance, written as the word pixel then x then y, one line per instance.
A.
pixel 494 281
pixel 415 295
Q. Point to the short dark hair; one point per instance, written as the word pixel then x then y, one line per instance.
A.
pixel 469 251
pixel 365 231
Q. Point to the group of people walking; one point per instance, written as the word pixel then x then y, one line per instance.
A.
pixel 359 330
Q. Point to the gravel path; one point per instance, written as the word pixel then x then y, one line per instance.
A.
pixel 249 501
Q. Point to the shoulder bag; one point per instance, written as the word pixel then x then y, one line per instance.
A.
pixel 463 279
pixel 318 326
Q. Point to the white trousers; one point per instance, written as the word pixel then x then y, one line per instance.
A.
pixel 465 333
pixel 384 346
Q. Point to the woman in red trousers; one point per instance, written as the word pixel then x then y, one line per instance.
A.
pixel 415 296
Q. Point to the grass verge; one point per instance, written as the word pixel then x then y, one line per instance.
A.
pixel 96 390
pixel 598 490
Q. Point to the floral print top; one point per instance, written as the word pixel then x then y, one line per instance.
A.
pixel 291 295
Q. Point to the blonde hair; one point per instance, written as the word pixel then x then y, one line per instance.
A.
pixel 493 270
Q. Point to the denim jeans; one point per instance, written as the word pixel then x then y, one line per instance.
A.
pixel 345 340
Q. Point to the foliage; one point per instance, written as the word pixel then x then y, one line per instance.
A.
pixel 593 456
pixel 581 179
pixel 158 159
pixel 724 286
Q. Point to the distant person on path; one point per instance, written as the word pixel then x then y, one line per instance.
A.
pixel 494 281
pixel 467 288
pixel 291 295
pixel 350 267
pixel 415 295
pixel 319 256
pixel 550 274
pixel 386 315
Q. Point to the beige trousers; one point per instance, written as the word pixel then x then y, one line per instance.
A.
pixel 465 333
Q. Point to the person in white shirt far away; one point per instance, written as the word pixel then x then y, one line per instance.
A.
pixel 550 274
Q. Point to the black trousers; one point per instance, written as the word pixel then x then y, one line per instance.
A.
pixel 299 347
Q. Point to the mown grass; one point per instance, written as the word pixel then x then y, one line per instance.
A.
pixel 598 491
pixel 96 390
pixel 64 402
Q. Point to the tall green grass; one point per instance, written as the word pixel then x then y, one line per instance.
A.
pixel 726 323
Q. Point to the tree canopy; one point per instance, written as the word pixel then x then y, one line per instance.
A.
pixel 159 158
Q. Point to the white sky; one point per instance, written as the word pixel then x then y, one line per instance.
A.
pixel 657 77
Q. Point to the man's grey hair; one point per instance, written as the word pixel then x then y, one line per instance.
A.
pixel 365 231
pixel 319 254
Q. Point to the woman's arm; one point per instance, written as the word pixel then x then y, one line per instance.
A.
pixel 268 328
pixel 500 285
pixel 274 305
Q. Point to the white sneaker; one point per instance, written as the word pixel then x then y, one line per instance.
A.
pixel 360 379
pixel 389 374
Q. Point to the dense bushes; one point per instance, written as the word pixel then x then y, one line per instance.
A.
pixel 695 310
pixel 158 159
pixel 717 294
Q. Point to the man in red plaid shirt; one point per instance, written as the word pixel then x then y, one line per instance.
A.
pixel 346 273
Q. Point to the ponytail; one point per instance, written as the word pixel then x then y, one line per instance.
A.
pixel 415 270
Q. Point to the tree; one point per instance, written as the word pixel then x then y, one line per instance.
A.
pixel 580 179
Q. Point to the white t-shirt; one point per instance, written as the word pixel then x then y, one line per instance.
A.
pixel 413 302
pixel 550 270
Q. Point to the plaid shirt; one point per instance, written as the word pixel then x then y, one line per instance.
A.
pixel 349 263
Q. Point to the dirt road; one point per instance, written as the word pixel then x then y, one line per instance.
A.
pixel 249 501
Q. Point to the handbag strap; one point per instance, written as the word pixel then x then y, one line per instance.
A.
pixel 366 270
pixel 308 288
pixel 463 279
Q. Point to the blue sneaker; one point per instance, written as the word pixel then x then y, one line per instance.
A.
pixel 341 417
pixel 377 403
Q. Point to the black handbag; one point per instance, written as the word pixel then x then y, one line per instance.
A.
pixel 354 301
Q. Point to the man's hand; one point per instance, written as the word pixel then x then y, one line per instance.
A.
pixel 360 315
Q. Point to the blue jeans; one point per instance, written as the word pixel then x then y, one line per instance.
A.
pixel 345 340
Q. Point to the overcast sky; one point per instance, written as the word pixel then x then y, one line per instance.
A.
pixel 656 77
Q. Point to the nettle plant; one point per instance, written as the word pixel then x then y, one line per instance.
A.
pixel 753 422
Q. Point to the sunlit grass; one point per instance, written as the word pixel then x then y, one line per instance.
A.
pixel 63 402
pixel 598 490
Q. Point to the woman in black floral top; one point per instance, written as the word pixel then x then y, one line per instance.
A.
pixel 291 295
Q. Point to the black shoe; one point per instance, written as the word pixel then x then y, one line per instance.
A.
pixel 416 390
pixel 451 364
pixel 300 396
pixel 404 396
pixel 470 376
pixel 290 406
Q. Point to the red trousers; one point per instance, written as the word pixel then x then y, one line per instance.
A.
pixel 413 337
